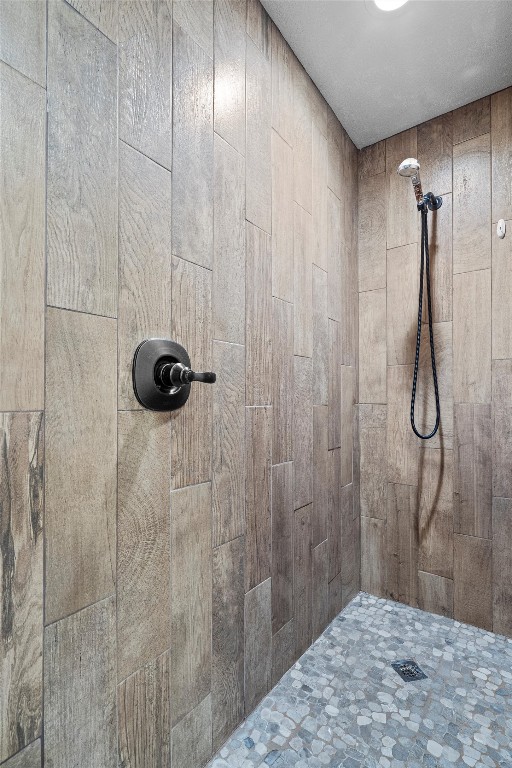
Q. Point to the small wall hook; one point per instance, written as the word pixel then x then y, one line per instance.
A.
pixel 162 375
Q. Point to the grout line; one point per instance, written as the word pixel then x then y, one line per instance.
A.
pixel 373 290
pixel 81 312
pixel 476 136
pixel 229 343
pixel 89 22
pixel 45 358
pixel 111 596
pixel 22 74
pixel 394 247
pixel 285 301
pixel 116 523
pixel 228 541
pixel 212 320
pixel 189 261
pixel 471 271
pixel 470 536
pixel 23 410
pixel 249 221
pixel 218 135
pixel 136 149
pixel 5 763
pixel 147 663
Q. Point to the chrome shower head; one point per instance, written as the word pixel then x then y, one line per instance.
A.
pixel 411 168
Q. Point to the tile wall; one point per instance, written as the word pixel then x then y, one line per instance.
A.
pixel 168 169
pixel 436 516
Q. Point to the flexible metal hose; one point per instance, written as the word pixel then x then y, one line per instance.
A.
pixel 425 264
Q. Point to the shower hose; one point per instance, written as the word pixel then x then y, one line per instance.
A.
pixel 425 266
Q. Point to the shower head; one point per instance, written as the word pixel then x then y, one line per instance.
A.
pixel 411 168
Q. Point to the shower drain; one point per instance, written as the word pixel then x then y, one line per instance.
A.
pixel 408 670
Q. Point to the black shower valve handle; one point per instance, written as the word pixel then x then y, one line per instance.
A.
pixel 206 377
pixel 177 375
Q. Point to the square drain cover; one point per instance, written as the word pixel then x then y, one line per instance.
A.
pixel 408 670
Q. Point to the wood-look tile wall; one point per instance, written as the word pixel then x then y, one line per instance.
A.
pixel 436 516
pixel 169 169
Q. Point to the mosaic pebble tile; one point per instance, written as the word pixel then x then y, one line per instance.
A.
pixel 343 706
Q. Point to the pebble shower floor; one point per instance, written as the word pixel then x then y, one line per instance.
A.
pixel 343 706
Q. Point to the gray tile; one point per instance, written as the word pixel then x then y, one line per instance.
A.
pixel 343 706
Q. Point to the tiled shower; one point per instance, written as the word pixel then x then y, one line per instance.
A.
pixel 169 170
pixel 436 519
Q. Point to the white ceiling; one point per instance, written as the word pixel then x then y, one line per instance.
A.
pixel 383 72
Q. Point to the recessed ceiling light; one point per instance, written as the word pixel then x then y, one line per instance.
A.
pixel 389 5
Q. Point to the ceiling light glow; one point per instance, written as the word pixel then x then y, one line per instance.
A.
pixel 389 5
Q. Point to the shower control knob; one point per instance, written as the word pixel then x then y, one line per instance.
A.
pixel 172 375
pixel 162 375
pixel 207 377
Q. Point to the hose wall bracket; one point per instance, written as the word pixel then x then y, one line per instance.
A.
pixel 432 202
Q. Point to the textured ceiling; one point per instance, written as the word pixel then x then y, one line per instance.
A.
pixel 385 72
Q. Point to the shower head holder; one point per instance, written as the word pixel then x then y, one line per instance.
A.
pixel 432 202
